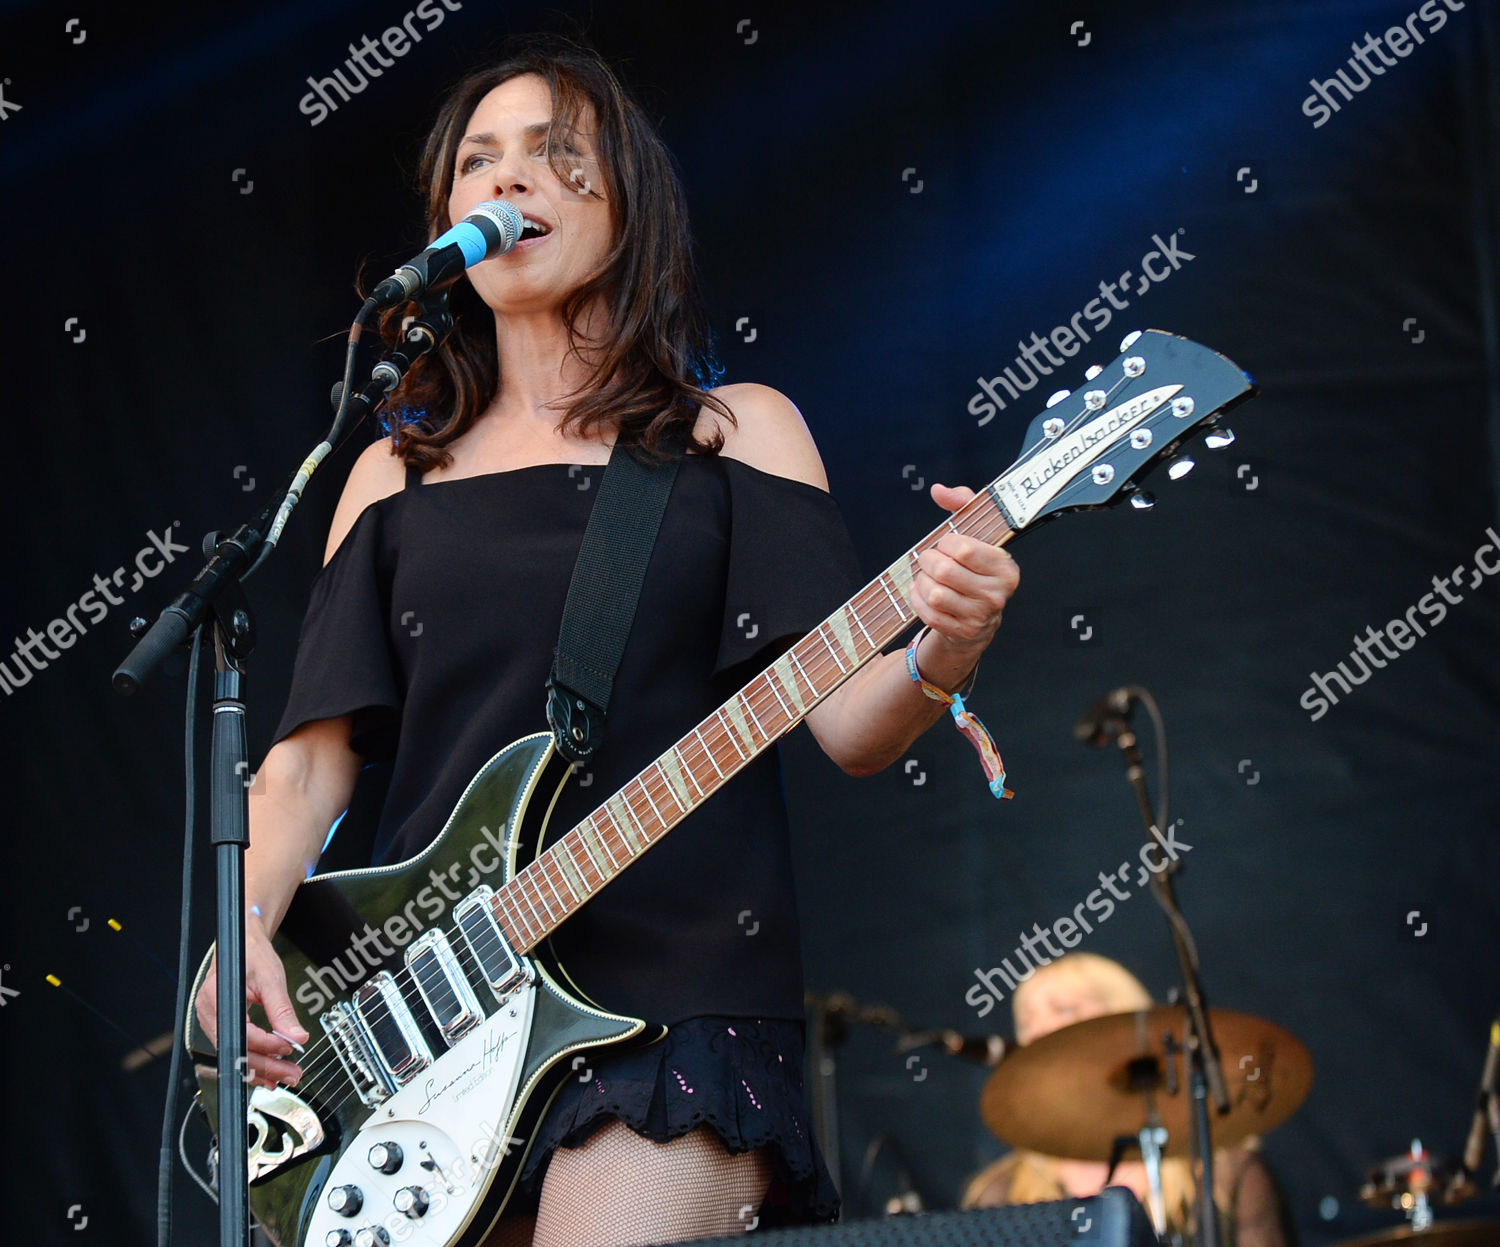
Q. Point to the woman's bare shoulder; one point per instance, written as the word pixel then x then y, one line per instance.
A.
pixel 377 473
pixel 768 432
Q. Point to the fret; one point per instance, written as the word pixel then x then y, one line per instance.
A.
pixel 516 926
pixel 625 818
pixel 712 761
pixel 895 601
pixel 670 770
pixel 812 688
pixel 594 839
pixel 526 900
pixel 832 652
pixel 858 617
pixel 723 710
pixel 791 692
pixel 782 670
pixel 574 877
pixel 901 574
pixel 574 842
pixel 640 826
pixel 646 792
pixel 538 897
pixel 542 863
pixel 838 623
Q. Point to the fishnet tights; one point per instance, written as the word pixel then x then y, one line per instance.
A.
pixel 622 1190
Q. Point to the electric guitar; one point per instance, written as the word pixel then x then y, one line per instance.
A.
pixel 444 1027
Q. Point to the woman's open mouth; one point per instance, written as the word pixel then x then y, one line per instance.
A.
pixel 533 232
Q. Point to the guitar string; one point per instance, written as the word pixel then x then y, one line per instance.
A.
pixel 377 1010
pixel 321 1064
pixel 609 834
pixel 315 1070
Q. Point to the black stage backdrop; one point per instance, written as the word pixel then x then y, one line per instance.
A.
pixel 889 199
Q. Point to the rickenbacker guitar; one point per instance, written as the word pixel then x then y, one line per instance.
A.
pixel 443 1024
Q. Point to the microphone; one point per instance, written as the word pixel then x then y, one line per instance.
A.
pixel 1485 1111
pixel 986 1049
pixel 1106 718
pixel 989 1049
pixel 491 229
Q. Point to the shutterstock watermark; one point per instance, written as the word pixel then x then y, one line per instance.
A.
pixel 368 58
pixel 32 655
pixel 1036 358
pixel 368 949
pixel 1156 855
pixel 1370 59
pixel 1320 695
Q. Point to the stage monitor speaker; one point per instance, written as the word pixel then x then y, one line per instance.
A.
pixel 1113 1218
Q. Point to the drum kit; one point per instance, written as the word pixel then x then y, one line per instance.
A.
pixel 1092 1090
pixel 1176 1081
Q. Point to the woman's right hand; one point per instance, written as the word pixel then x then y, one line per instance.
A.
pixel 265 985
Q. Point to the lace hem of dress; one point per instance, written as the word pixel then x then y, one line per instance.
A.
pixel 741 1076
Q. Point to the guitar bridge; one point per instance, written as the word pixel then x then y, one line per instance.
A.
pixel 351 1041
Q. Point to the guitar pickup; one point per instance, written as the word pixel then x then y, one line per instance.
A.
pixel 393 1032
pixel 502 969
pixel 450 1000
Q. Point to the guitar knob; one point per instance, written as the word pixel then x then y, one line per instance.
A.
pixel 1179 467
pixel 411 1200
pixel 1218 437
pixel 1058 397
pixel 346 1200
pixel 372 1236
pixel 385 1157
pixel 337 1238
pixel 1093 370
pixel 1142 500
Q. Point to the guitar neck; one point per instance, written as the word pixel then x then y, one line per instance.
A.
pixel 563 878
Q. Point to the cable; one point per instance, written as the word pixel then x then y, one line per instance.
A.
pixel 174 1066
pixel 323 449
pixel 187 1164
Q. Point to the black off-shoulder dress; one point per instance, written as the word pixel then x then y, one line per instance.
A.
pixel 434 625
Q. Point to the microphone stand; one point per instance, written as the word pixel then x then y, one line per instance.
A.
pixel 1205 1072
pixel 216 595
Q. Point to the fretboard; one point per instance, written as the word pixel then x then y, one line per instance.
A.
pixel 563 878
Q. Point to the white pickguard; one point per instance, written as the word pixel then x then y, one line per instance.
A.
pixel 455 1115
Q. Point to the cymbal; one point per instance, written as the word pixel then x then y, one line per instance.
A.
pixel 1439 1234
pixel 1393 1183
pixel 1071 1093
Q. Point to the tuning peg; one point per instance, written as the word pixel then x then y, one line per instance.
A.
pixel 1128 340
pixel 1142 499
pixel 1179 466
pixel 1058 397
pixel 1093 371
pixel 1218 437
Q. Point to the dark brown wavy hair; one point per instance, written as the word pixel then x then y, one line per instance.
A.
pixel 656 360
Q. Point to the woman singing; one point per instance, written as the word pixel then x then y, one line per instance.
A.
pixel 431 628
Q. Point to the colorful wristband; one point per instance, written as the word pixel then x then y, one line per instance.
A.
pixel 965 720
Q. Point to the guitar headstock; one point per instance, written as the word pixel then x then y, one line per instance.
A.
pixel 1091 446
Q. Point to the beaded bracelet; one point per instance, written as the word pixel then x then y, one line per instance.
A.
pixel 964 719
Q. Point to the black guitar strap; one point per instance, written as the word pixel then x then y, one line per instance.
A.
pixel 602 598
